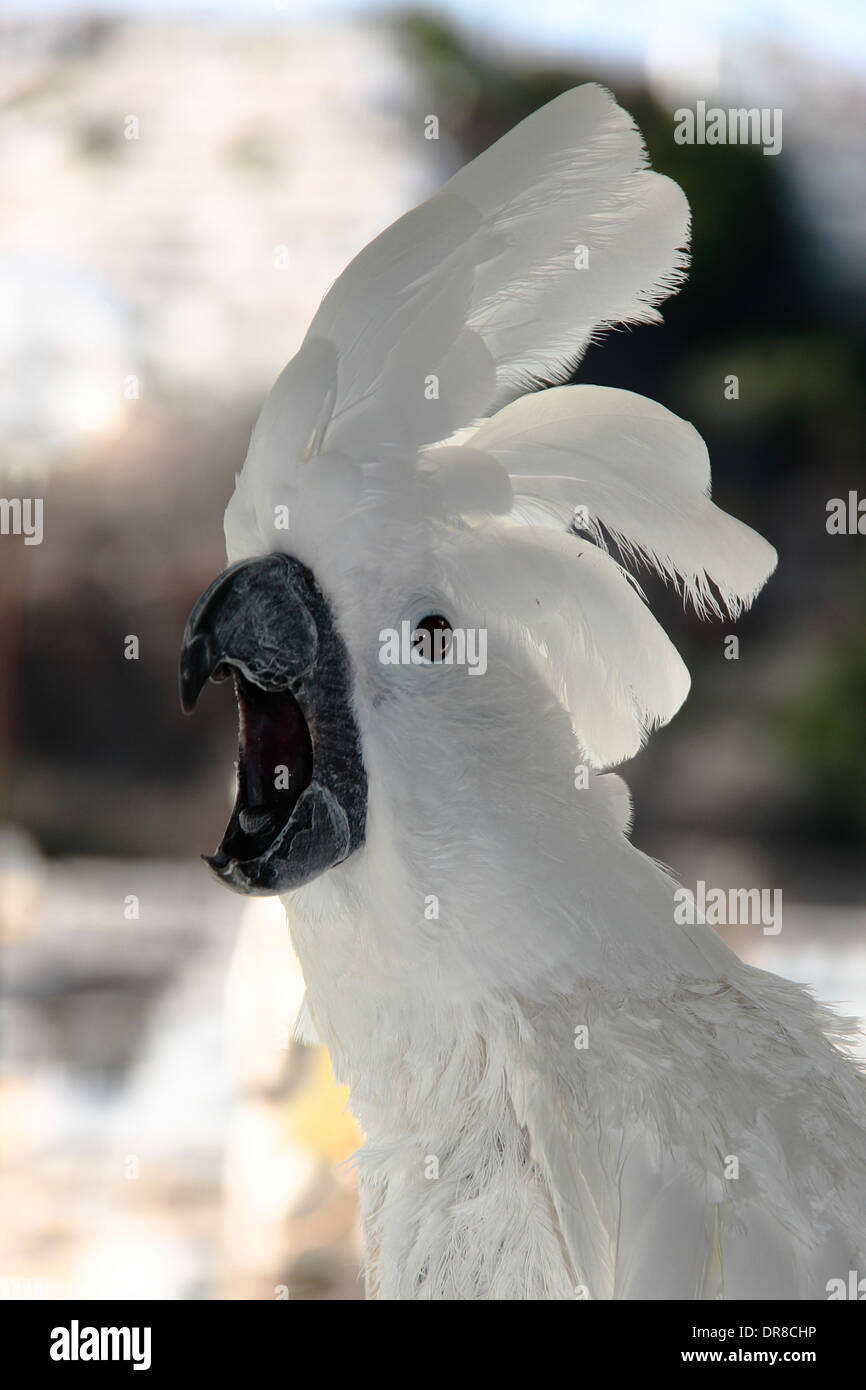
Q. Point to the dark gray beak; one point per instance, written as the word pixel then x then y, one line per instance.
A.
pixel 301 802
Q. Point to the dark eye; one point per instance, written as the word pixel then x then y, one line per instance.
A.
pixel 431 637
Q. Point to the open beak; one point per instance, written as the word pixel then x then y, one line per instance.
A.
pixel 301 802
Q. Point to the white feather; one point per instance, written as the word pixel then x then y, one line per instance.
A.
pixel 478 286
pixel 608 660
pixel 641 472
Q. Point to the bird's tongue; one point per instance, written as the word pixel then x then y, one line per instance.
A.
pixel 275 763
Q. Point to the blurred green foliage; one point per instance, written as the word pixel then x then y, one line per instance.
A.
pixel 822 727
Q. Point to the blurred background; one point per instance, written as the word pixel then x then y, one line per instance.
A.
pixel 182 182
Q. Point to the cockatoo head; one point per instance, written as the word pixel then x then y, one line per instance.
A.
pixel 435 652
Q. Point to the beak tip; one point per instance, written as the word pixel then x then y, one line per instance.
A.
pixel 195 667
pixel 216 863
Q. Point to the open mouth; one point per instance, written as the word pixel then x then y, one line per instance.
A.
pixel 301 800
pixel 275 765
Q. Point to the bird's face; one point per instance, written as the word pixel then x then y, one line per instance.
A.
pixel 390 705
pixel 424 787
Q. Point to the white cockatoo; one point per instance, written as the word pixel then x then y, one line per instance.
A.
pixel 565 1091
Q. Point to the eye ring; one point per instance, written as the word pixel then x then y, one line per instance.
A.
pixel 431 639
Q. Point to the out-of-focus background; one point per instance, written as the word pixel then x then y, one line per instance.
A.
pixel 180 186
